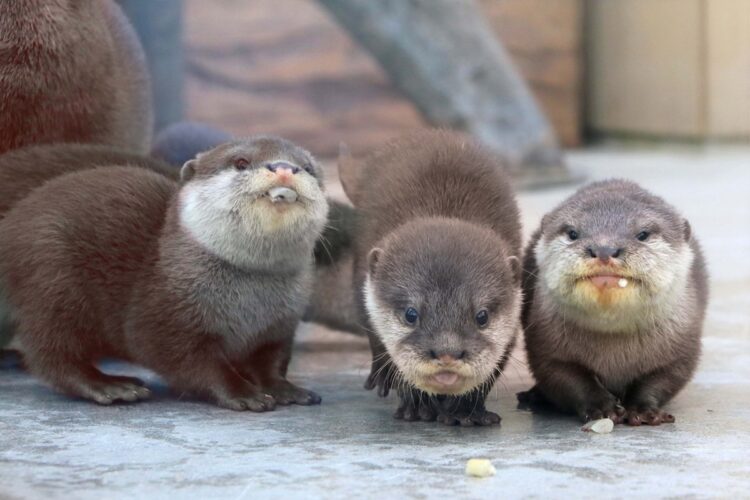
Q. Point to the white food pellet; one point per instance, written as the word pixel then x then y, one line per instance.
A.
pixel 622 283
pixel 601 426
pixel 479 467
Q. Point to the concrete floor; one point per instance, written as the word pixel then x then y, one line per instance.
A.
pixel 52 447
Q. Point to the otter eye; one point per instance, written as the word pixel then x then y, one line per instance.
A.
pixel 308 168
pixel 411 316
pixel 482 318
pixel 241 163
pixel 643 235
pixel 573 235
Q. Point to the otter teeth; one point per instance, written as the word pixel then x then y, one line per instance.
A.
pixel 622 283
pixel 282 194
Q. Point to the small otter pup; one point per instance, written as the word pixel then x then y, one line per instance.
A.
pixel 615 291
pixel 71 71
pixel 437 272
pixel 202 282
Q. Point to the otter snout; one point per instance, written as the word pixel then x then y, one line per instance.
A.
pixel 604 253
pixel 446 357
pixel 280 166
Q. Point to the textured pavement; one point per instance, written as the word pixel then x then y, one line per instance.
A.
pixel 53 447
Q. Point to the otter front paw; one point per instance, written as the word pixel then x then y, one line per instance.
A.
pixel 611 409
pixel 414 409
pixel 286 393
pixel 256 403
pixel 381 375
pixel 481 417
pixel 647 416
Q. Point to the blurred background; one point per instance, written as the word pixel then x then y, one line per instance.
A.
pixel 653 70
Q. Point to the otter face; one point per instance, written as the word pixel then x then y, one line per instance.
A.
pixel 613 260
pixel 444 298
pixel 257 202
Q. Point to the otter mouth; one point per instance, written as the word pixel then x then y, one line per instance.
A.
pixel 444 382
pixel 281 195
pixel 608 280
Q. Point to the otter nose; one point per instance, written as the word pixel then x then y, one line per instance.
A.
pixel 282 165
pixel 447 357
pixel 604 253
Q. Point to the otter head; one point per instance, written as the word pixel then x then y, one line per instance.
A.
pixel 256 202
pixel 613 255
pixel 444 298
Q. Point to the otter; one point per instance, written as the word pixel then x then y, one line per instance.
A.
pixel 72 71
pixel 203 281
pixel 615 290
pixel 24 169
pixel 437 272
pixel 332 304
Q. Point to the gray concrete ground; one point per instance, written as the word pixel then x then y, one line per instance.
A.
pixel 52 447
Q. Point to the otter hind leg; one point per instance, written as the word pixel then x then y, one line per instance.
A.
pixel 268 364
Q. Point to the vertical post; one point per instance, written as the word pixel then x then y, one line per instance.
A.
pixel 159 27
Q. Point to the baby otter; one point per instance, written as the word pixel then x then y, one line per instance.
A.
pixel 202 282
pixel 615 291
pixel 437 272
pixel 71 71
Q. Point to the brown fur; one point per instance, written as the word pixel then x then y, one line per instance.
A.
pixel 71 71
pixel 99 263
pixel 595 370
pixel 24 169
pixel 438 225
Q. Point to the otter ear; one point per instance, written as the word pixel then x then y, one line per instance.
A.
pixel 348 170
pixel 188 170
pixel 515 266
pixel 373 258
pixel 686 229
pixel 544 226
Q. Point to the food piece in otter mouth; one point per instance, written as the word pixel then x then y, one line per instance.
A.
pixel 479 467
pixel 281 194
pixel 603 281
pixel 445 378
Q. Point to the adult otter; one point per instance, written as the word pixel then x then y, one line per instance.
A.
pixel 615 291
pixel 71 71
pixel 204 283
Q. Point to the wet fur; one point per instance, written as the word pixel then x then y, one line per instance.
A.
pixel 71 71
pixel 641 345
pixel 118 272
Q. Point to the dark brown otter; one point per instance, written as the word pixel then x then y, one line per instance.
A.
pixel 615 291
pixel 71 71
pixel 202 282
pixel 437 272
pixel 25 169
